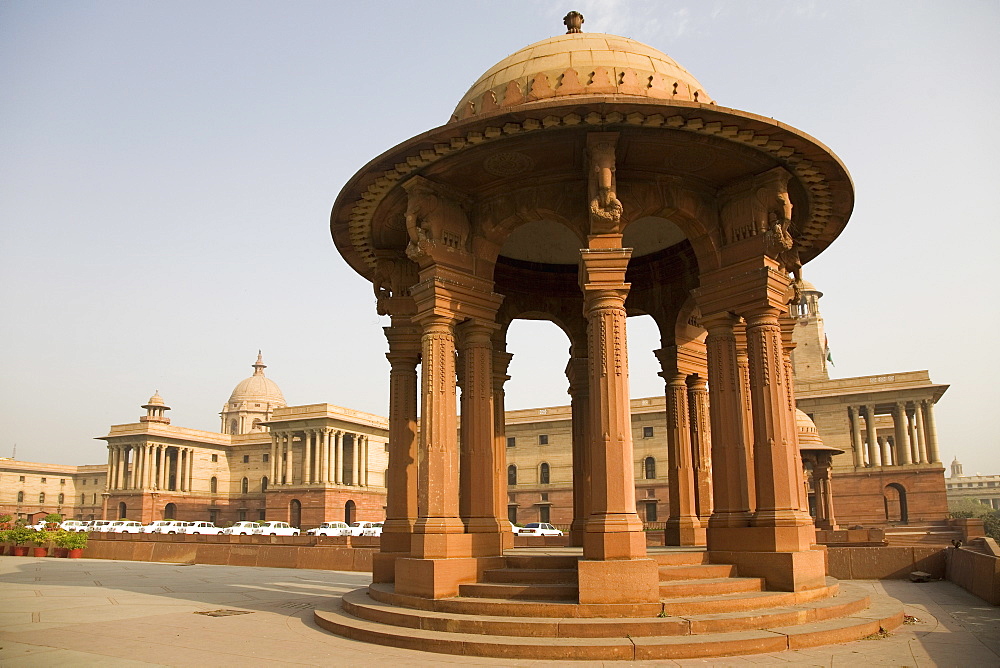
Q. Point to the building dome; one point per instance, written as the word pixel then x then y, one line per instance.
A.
pixel 155 401
pixel 808 434
pixel 257 389
pixel 579 64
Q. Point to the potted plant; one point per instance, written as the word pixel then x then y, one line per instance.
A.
pixel 72 541
pixel 41 538
pixel 18 536
pixel 53 520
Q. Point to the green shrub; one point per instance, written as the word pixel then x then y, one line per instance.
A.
pixel 70 539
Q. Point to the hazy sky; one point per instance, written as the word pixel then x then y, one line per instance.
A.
pixel 167 171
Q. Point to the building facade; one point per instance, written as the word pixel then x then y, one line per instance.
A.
pixel 984 489
pixel 32 490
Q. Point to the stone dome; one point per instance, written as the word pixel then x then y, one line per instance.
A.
pixel 257 389
pixel 579 64
pixel 808 434
pixel 155 401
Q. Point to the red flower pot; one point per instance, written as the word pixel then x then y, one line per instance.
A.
pixel 60 552
pixel 75 553
pixel 19 551
pixel 39 551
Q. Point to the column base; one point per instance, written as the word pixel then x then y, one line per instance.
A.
pixel 761 539
pixel 620 581
pixel 384 565
pixel 576 531
pixel 683 531
pixel 782 571
pixel 439 578
pixel 614 537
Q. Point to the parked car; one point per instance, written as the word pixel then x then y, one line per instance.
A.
pixel 172 526
pixel 83 526
pixel 331 529
pixel 358 528
pixel 122 526
pixel 201 528
pixel 374 530
pixel 72 525
pixel 275 529
pixel 151 527
pixel 539 529
pixel 240 529
pixel 513 527
pixel 96 525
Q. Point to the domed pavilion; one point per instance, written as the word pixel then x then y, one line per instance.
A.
pixel 584 179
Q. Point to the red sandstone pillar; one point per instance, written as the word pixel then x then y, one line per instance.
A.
pixel 787 325
pixel 729 458
pixel 579 391
pixel 746 410
pixel 701 436
pixel 682 526
pixel 501 360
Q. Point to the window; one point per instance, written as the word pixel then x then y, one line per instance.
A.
pixel 215 458
pixel 261 515
pixel 543 473
pixel 83 499
pixel 651 511
pixel 267 455
pixel 511 441
pixel 93 501
pixel 263 484
pixel 41 498
pixel 245 486
pixel 246 459
pixel 43 480
pixel 20 478
pixel 543 513
pixel 649 468
pixel 511 475
pixel 543 439
pixel 243 516
pixel 84 481
pixel 213 516
pixel 213 485
pixel 234 427
pixel 95 481
pixel 20 496
pixel 62 481
pixel 62 499
pixel 545 496
pixel 647 432
pixel 512 513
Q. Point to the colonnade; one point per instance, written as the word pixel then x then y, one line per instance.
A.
pixel 913 441
pixel 150 466
pixel 328 456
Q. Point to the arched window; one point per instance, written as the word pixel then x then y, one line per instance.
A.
pixel 256 424
pixel 234 427
pixel 245 486
pixel 263 484
pixel 20 497
pixel 213 485
pixel 511 475
pixel 94 500
pixel 41 498
pixel 62 498
pixel 649 468
pixel 543 473
pixel 83 499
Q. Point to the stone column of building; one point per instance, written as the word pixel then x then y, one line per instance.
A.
pixel 911 436
pixel 874 458
pixel 401 475
pixel 501 361
pixel 273 460
pixel 822 481
pixel 190 476
pixel 481 460
pixel 579 391
pixel 111 467
pixel 133 466
pixel 919 425
pixel 614 530
pixel 701 449
pixel 363 461
pixel 885 448
pixel 899 431
pixel 338 464
pixel 933 455
pixel 307 456
pixel 743 363
pixel 322 454
pixel 683 526
pixel 290 458
pixel 787 326
pixel 775 440
pixel 729 459
pixel 164 467
pixel 857 444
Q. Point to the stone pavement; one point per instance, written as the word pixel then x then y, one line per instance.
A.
pixel 85 612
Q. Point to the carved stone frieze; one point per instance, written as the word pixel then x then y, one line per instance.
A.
pixel 435 220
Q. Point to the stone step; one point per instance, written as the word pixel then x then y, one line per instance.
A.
pixel 709 587
pixel 680 557
pixel 742 601
pixel 697 571
pixel 884 613
pixel 359 604
pixel 516 591
pixel 531 575
pixel 544 561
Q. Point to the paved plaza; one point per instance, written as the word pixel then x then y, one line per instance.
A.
pixel 124 613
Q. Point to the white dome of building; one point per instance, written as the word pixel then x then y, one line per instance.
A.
pixel 251 402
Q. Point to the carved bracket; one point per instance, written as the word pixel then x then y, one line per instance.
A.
pixel 602 185
pixel 435 219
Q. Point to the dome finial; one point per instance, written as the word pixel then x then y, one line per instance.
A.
pixel 573 22
pixel 259 366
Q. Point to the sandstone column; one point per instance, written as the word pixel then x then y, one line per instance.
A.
pixel 933 456
pixel 501 361
pixel 274 460
pixel 307 457
pixel 700 445
pixel 899 430
pixel 874 458
pixel 854 417
pixel 729 459
pixel 683 526
pixel 338 464
pixel 911 435
pixel 289 461
pixel 323 449
pixel 579 391
pixel 920 425
pixel 746 406
pixel 190 476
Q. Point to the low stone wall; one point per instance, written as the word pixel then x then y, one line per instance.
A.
pixel 884 563
pixel 851 537
pixel 977 570
pixel 323 553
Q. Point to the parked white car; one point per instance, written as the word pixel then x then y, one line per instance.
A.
pixel 331 529
pixel 124 527
pixel 240 529
pixel 201 528
pixel 358 528
pixel 72 525
pixel 374 530
pixel 275 529
pixel 152 526
pixel 97 525
pixel 539 529
pixel 172 526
